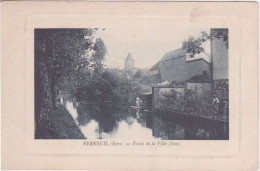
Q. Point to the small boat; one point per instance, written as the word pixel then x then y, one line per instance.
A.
pixel 135 107
pixel 107 101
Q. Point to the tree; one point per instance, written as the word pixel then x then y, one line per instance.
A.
pixel 62 61
pixel 195 45
pixel 111 85
pixel 98 55
pixel 66 55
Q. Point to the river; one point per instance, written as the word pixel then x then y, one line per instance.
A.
pixel 106 121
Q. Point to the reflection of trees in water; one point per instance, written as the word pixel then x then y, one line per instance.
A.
pixel 84 115
pixel 106 120
pixel 102 114
pixel 163 125
pixel 169 126
pixel 144 118
pixel 106 116
pixel 126 114
pixel 130 120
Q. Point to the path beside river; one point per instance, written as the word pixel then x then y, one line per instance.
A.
pixel 64 125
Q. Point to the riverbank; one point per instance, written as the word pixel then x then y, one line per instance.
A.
pixel 64 125
pixel 214 117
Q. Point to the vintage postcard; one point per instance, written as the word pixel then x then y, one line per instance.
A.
pixel 133 85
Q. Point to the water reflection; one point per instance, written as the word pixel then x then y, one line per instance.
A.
pixel 170 126
pixel 112 122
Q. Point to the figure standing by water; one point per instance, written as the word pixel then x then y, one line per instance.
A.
pixel 225 107
pixel 215 103
pixel 137 102
pixel 140 103
pixel 61 100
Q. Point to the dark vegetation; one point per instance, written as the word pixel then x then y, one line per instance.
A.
pixel 71 60
pixel 111 86
pixel 189 103
pixel 194 45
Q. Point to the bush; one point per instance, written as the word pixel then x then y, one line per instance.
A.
pixel 189 103
pixel 111 85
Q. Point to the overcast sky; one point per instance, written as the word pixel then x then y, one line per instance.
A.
pixel 147 45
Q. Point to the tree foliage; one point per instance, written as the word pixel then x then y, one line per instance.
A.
pixel 195 45
pixel 189 103
pixel 70 54
pixel 98 55
pixel 111 85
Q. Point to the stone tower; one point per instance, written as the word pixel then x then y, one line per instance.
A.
pixel 129 63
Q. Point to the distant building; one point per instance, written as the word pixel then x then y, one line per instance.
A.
pixel 130 70
pixel 129 64
pixel 175 66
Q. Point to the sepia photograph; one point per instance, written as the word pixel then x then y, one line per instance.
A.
pixel 132 83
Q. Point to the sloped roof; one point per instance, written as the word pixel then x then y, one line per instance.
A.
pixel 170 55
pixel 134 70
pixel 138 73
pixel 153 79
pixel 145 72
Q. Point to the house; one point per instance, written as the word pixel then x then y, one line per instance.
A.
pixel 176 66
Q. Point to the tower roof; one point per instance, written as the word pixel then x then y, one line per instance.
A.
pixel 129 56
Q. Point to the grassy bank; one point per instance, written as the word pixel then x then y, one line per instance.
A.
pixel 64 126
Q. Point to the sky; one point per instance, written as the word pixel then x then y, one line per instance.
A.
pixel 147 45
